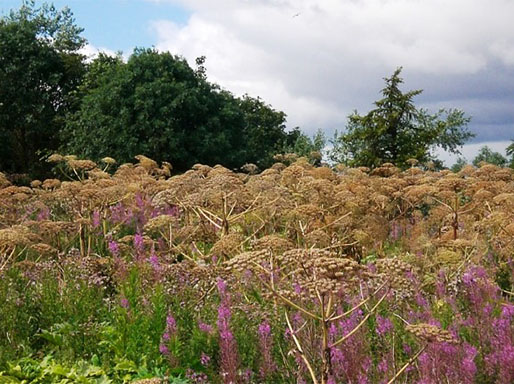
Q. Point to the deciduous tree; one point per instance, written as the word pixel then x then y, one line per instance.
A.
pixel 486 154
pixel 40 67
pixel 157 105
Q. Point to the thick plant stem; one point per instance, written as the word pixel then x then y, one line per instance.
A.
pixel 300 350
pixel 342 339
pixel 326 363
pixel 407 364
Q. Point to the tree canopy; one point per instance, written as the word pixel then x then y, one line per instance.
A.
pixel 486 154
pixel 157 105
pixel 510 153
pixel 40 67
pixel 396 130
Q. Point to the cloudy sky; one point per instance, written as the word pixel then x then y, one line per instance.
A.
pixel 320 60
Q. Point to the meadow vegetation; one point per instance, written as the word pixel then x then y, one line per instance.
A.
pixel 297 274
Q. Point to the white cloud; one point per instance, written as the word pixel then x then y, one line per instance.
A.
pixel 91 52
pixel 317 60
pixel 504 51
pixel 469 151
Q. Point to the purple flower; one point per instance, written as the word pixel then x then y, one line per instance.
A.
pixel 224 314
pixel 196 377
pixel 205 327
pixel 44 214
pixel 163 349
pixel 382 366
pixel 204 359
pixel 171 324
pixel 264 329
pixel 421 301
pixel 229 358
pixel 114 248
pixel 154 262
pixel 508 311
pixel 222 286
pixel 468 364
pixel 139 243
pixel 267 365
pixel 124 303
pixel 96 219
pixel 384 325
pixel 396 230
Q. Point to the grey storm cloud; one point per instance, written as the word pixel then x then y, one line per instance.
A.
pixel 320 60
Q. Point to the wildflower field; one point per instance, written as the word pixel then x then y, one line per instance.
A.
pixel 297 274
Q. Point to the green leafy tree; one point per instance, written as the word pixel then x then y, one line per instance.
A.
pixel 396 130
pixel 486 154
pixel 459 164
pixel 263 130
pixel 301 144
pixel 40 67
pixel 157 105
pixel 510 153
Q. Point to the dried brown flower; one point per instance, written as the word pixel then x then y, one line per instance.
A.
pixel 430 333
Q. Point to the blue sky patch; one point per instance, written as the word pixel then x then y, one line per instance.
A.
pixel 118 25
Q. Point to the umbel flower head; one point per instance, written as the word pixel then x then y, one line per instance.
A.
pixel 431 333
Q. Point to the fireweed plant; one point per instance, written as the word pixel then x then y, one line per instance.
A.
pixel 298 274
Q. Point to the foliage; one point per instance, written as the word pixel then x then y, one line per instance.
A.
pixel 510 152
pixel 296 273
pixel 40 68
pixel 396 131
pixel 48 370
pixel 156 105
pixel 485 154
pixel 459 164
pixel 304 146
pixel 263 129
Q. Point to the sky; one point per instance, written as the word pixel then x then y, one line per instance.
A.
pixel 319 60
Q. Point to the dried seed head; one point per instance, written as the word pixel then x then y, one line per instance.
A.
pixel 395 272
pixel 108 160
pixel 97 174
pixel 82 165
pixel 51 184
pixel 317 238
pixel 252 260
pixel 18 235
pixel 159 223
pixel 452 182
pixel 44 249
pixel 3 181
pixel 36 183
pixel 430 333
pixel 228 246
pixel 250 168
pixel 274 243
pixel 55 158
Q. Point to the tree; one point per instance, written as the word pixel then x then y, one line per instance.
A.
pixel 396 131
pixel 157 105
pixel 301 144
pixel 510 153
pixel 486 154
pixel 40 67
pixel 459 164
pixel 263 129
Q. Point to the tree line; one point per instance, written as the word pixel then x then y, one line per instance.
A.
pixel 53 99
